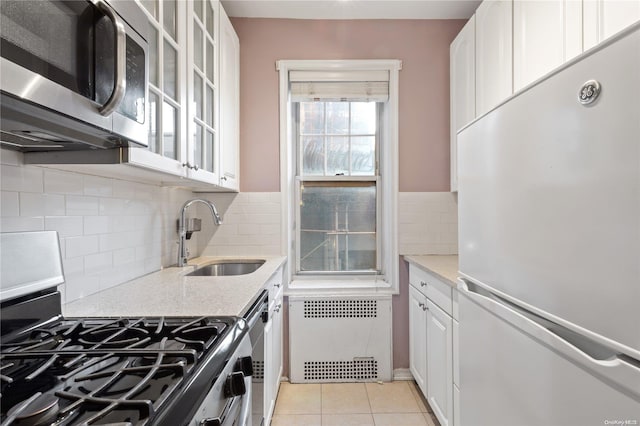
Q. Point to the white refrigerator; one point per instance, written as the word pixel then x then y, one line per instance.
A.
pixel 549 249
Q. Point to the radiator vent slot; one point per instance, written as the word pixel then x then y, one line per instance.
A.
pixel 341 370
pixel 345 308
pixel 258 370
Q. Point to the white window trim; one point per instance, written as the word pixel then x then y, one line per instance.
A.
pixel 389 283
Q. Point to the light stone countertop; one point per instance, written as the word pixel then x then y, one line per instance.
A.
pixel 169 292
pixel 445 266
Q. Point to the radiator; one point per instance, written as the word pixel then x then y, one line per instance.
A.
pixel 340 339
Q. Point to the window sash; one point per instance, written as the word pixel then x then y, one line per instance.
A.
pixel 336 181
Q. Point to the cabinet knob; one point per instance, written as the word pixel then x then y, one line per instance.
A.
pixel 223 178
pixel 423 284
pixel 277 285
pixel 277 308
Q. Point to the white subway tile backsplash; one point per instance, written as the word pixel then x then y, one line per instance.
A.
pixel 81 205
pixel 427 223
pixel 21 224
pixel 39 204
pixel 57 182
pixel 81 246
pixel 67 226
pixel 125 255
pixel 94 225
pixel 21 179
pixel 12 158
pixel 9 204
pixel 72 266
pixel 99 262
pixel 97 186
pixel 110 230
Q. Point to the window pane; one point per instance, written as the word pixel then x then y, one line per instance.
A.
pixel 153 56
pixel 169 131
pixel 170 17
pixel 338 117
pixel 311 118
pixel 338 156
pixel 170 75
pixel 338 227
pixel 312 155
pixel 363 155
pixel 363 118
pixel 197 94
pixel 197 47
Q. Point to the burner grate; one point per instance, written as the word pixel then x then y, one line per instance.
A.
pixel 104 370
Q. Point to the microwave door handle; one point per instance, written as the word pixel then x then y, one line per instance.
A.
pixel 120 61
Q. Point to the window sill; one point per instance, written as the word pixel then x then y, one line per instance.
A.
pixel 366 286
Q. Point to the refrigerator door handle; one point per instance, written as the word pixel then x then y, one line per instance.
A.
pixel 616 369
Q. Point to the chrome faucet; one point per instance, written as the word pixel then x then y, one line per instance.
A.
pixel 182 232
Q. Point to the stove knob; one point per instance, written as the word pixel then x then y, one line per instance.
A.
pixel 245 365
pixel 234 386
pixel 211 422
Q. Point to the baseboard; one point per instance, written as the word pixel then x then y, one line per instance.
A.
pixel 402 374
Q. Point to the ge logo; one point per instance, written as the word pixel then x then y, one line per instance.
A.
pixel 589 92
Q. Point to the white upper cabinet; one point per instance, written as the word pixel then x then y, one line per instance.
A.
pixel 494 76
pixel 229 104
pixel 604 18
pixel 203 81
pixel 546 34
pixel 463 88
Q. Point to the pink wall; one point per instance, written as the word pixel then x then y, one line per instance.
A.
pixel 422 45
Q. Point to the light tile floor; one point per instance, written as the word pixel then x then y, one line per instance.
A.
pixel 352 404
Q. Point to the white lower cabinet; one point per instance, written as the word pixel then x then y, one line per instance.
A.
pixel 440 363
pixel 273 345
pixel 418 338
pixel 432 348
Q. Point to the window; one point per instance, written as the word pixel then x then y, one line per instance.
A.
pixel 339 174
pixel 337 180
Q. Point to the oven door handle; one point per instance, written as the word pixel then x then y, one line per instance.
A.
pixel 120 86
pixel 228 415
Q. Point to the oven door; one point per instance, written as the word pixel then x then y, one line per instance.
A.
pixel 78 58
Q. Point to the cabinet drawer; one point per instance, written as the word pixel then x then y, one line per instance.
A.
pixel 434 288
pixel 418 278
pixel 275 287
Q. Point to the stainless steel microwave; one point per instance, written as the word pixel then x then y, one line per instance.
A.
pixel 73 74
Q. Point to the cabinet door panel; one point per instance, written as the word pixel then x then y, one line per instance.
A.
pixel 463 87
pixel 440 363
pixel 418 338
pixel 229 104
pixel 604 18
pixel 494 77
pixel 546 33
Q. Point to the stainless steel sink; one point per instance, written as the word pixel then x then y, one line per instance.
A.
pixel 227 267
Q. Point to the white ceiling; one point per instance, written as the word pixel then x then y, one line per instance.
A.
pixel 352 9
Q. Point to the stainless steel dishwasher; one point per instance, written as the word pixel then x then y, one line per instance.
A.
pixel 257 317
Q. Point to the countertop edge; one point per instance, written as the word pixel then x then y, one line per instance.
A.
pixel 444 267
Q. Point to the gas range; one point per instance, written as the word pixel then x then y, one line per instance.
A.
pixel 120 371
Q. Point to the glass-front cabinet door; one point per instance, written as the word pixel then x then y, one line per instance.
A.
pixel 203 82
pixel 167 94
